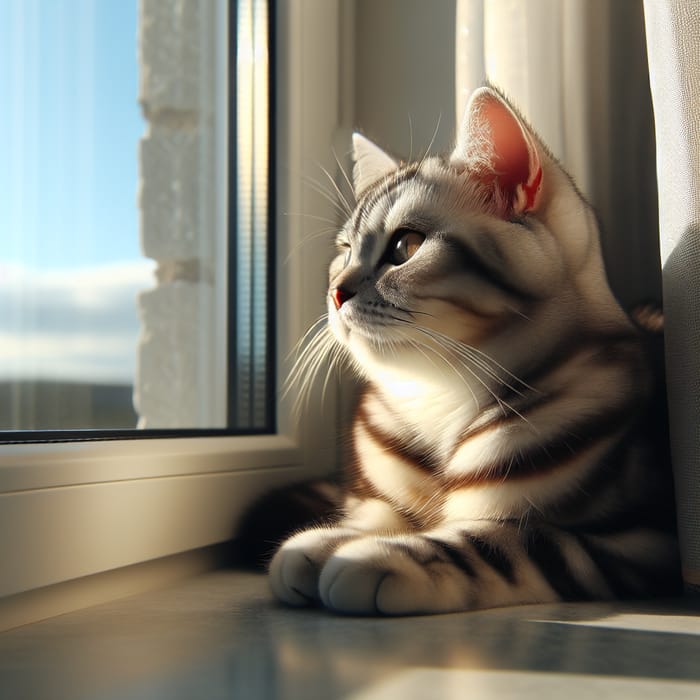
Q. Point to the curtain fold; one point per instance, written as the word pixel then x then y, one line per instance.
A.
pixel 673 36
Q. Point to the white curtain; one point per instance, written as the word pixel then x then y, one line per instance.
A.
pixel 673 32
pixel 577 69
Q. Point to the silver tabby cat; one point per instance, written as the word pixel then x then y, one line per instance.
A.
pixel 499 451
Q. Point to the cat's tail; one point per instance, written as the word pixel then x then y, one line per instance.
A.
pixel 279 514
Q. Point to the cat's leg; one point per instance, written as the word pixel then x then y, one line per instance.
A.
pixel 478 564
pixel 457 567
pixel 463 566
pixel 296 567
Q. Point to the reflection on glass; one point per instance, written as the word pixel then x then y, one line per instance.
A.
pixel 70 265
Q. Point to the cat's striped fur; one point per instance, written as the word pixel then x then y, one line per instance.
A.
pixel 501 451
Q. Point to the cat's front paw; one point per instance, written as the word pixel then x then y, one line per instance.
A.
pixel 390 576
pixel 296 567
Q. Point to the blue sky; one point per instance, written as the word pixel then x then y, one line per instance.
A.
pixel 70 124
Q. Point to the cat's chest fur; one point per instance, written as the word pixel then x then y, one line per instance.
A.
pixel 424 419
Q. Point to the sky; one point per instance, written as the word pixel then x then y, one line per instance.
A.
pixel 70 123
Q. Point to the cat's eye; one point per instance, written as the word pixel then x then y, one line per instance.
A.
pixel 403 246
pixel 346 258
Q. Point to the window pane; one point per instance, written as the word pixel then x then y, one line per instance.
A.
pixel 120 249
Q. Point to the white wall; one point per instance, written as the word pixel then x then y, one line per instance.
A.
pixel 405 73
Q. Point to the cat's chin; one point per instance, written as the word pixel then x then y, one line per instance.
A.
pixel 350 333
pixel 359 339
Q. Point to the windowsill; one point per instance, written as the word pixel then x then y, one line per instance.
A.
pixel 221 635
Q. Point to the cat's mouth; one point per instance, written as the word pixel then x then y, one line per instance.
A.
pixel 377 324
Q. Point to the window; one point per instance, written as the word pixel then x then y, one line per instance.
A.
pixel 70 266
pixel 135 289
pixel 81 507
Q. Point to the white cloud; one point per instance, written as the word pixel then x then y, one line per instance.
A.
pixel 77 324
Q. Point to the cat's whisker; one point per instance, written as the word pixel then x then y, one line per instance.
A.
pixel 312 368
pixel 418 346
pixel 341 195
pixel 318 187
pixel 409 312
pixel 459 349
pixel 479 362
pixel 466 361
pixel 518 312
pixel 310 238
pixel 343 172
pixel 419 313
pixel 314 217
pixel 312 330
pixel 336 353
pixel 326 359
pixel 332 192
pixel 517 379
pixel 430 145
pixel 482 360
pixel 328 195
pixel 306 361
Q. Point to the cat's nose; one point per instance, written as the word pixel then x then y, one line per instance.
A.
pixel 340 295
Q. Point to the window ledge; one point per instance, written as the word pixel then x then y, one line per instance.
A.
pixel 221 635
pixel 47 466
pixel 111 505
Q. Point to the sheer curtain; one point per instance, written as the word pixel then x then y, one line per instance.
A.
pixel 578 70
pixel 673 32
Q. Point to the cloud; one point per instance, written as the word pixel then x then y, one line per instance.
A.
pixel 78 324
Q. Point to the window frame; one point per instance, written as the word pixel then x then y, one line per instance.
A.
pixel 73 509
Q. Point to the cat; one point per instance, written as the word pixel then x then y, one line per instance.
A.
pixel 501 448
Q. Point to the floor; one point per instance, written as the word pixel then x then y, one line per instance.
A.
pixel 221 636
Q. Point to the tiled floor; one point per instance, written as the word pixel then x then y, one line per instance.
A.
pixel 221 636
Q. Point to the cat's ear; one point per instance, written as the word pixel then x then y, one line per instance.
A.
pixel 371 163
pixel 498 147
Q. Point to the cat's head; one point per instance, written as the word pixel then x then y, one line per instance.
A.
pixel 490 247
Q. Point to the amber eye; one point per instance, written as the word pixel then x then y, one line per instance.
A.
pixel 403 246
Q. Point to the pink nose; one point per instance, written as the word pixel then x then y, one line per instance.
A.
pixel 340 296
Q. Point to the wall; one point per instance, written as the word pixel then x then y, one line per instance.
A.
pixel 405 74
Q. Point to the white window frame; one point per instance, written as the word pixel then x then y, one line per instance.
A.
pixel 69 510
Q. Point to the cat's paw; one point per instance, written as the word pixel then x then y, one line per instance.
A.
pixel 391 576
pixel 295 568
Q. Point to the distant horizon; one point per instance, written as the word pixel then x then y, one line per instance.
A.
pixel 58 405
pixel 6 382
pixel 83 325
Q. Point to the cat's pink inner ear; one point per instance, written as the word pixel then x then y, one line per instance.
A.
pixel 515 164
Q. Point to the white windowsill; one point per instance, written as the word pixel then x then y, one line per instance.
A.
pixel 221 635
pixel 48 466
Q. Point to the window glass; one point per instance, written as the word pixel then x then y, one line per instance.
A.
pixel 129 274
